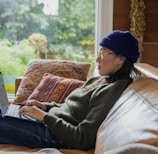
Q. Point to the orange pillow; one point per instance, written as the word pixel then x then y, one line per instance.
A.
pixel 38 67
pixel 54 88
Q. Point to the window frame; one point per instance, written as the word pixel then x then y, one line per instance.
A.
pixel 103 20
pixel 103 24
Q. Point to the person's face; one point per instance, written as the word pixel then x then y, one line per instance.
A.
pixel 108 61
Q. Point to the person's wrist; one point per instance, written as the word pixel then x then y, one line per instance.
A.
pixel 44 108
pixel 44 118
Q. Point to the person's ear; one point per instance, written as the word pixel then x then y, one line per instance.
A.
pixel 122 58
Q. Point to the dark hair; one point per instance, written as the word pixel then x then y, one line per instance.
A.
pixel 125 71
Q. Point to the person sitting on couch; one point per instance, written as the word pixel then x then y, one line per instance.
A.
pixel 74 123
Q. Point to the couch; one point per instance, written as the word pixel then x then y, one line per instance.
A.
pixel 131 126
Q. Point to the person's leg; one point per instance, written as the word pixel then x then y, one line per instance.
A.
pixel 27 133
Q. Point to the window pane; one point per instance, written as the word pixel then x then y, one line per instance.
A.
pixel 64 29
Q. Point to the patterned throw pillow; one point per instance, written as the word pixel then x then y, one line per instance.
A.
pixel 54 88
pixel 37 68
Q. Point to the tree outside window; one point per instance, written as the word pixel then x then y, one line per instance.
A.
pixel 69 33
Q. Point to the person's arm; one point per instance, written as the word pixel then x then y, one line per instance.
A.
pixel 36 109
pixel 50 105
pixel 83 135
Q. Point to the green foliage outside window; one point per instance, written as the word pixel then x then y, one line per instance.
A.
pixel 70 34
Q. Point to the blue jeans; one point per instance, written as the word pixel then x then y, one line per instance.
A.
pixel 27 133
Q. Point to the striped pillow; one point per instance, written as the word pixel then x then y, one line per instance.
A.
pixel 54 88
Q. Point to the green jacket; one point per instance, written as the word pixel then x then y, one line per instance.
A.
pixel 77 120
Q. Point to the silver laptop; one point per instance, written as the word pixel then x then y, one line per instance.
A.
pixel 7 109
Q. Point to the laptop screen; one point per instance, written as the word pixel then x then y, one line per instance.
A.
pixel 3 96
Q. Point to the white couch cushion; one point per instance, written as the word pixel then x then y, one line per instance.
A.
pixel 134 118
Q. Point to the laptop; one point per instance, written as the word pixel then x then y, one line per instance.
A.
pixel 8 109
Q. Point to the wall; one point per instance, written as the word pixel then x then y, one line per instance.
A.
pixel 121 21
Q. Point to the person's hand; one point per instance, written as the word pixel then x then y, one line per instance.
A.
pixel 39 104
pixel 34 109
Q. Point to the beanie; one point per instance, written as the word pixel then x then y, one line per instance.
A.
pixel 122 43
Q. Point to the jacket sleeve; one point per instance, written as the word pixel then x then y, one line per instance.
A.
pixel 83 136
pixel 50 105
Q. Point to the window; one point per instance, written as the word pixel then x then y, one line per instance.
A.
pixel 65 29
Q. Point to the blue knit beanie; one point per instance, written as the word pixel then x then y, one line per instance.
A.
pixel 122 43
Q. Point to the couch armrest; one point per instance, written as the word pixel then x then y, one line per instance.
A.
pixel 17 83
pixel 147 70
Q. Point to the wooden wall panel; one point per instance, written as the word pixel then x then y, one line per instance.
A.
pixel 121 18
pixel 121 21
pixel 150 51
pixel 151 31
pixel 151 20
